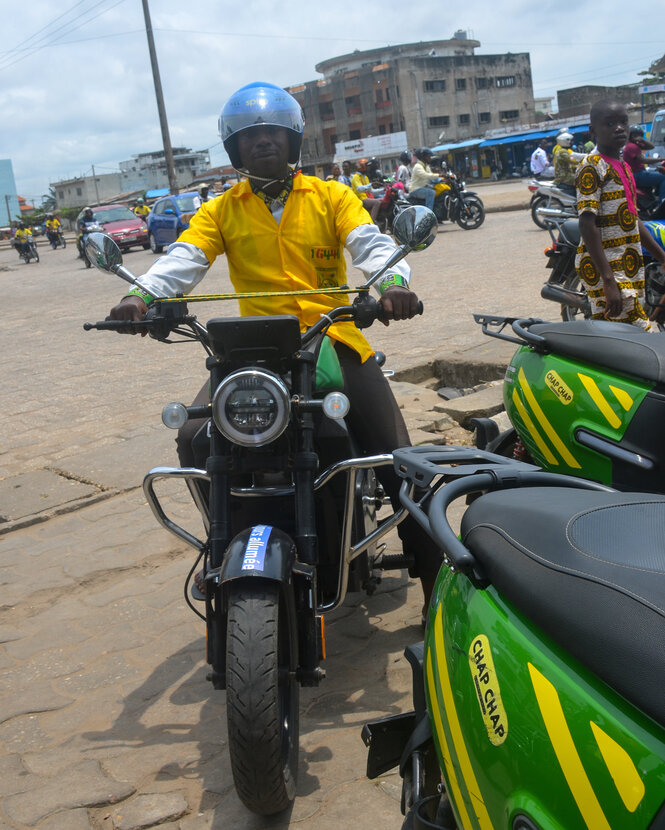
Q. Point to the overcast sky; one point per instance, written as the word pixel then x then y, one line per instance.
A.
pixel 76 87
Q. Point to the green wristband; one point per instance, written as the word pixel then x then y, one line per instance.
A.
pixel 139 292
pixel 393 279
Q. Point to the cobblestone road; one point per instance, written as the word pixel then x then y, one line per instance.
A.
pixel 107 720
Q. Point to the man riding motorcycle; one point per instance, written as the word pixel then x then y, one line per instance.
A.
pixel 282 230
pixel 422 177
pixel 141 210
pixel 22 238
pixel 53 228
pixel 565 163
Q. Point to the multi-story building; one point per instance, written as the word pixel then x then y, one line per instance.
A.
pixel 145 171
pixel 433 91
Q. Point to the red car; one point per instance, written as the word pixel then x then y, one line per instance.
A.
pixel 125 228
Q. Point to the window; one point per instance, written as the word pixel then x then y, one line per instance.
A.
pixel 326 111
pixel 438 121
pixel 79 192
pixel 434 86
pixel 484 117
pixel 509 115
pixel 353 104
pixel 482 83
pixel 61 194
pixel 354 135
pixel 505 80
pixel 460 84
pixel 464 118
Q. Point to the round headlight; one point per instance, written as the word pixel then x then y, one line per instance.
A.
pixel 251 407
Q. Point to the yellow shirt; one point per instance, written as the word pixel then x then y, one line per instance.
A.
pixel 142 210
pixel 359 179
pixel 303 251
pixel 23 235
pixel 52 224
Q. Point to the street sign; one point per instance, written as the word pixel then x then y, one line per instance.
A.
pixel 652 88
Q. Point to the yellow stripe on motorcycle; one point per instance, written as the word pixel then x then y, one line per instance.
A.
pixel 622 769
pixel 565 751
pixel 533 431
pixel 622 396
pixel 461 751
pixel 599 399
pixel 451 776
pixel 551 433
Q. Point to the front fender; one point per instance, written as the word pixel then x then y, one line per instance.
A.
pixel 260 551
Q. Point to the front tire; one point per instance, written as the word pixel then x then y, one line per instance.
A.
pixel 262 695
pixel 152 243
pixel 471 213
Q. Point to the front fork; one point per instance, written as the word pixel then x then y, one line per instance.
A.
pixel 299 576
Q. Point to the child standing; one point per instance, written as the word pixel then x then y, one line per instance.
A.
pixel 609 258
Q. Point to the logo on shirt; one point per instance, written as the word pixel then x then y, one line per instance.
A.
pixel 319 254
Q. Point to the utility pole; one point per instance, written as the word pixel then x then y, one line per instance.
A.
pixel 168 152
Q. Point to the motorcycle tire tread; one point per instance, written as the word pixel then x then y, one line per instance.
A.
pixel 265 779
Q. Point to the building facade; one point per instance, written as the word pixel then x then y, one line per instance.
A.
pixel 145 171
pixel 434 91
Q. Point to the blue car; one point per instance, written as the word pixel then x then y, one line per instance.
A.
pixel 168 218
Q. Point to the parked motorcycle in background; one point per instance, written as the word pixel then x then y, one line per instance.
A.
pixel 565 287
pixel 550 204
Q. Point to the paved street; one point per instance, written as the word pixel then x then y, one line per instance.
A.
pixel 107 720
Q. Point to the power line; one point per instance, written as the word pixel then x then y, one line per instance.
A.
pixel 18 54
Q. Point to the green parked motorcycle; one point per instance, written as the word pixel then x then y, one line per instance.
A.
pixel 538 701
pixel 585 398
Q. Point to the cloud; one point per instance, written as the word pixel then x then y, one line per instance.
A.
pixel 80 90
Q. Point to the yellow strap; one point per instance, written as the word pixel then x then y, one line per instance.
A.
pixel 200 298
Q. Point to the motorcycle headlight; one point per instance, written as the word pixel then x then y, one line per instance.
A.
pixel 251 407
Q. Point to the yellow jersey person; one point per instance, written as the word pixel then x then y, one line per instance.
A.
pixel 141 209
pixel 22 238
pixel 283 230
pixel 361 186
pixel 53 229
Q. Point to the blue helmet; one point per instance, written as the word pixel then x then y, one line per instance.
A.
pixel 261 103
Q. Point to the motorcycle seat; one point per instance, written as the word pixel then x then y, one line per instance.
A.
pixel 618 346
pixel 588 568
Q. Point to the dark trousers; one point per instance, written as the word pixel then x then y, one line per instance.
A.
pixel 377 425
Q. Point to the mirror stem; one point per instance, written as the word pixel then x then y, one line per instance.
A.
pixel 124 274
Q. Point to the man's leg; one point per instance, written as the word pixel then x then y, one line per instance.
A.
pixel 647 179
pixel 377 424
pixel 426 193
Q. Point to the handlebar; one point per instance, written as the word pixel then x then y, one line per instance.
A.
pixel 163 319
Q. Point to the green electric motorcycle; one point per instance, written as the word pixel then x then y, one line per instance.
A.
pixel 585 398
pixel 538 691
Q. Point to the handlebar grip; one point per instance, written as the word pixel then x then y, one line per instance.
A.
pixel 421 307
pixel 116 325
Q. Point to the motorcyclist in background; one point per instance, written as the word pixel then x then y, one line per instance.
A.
pixel 422 177
pixel 141 209
pixel 565 164
pixel 81 227
pixel 633 155
pixel 22 237
pixel 403 173
pixel 362 187
pixel 53 228
pixel 282 230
